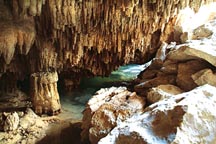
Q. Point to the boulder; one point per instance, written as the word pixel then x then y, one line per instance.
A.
pixel 201 32
pixel 106 109
pixel 195 49
pixel 205 76
pixel 185 71
pixel 11 121
pixel 161 92
pixel 185 118
pixel 159 80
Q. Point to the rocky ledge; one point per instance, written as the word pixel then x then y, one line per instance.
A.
pixel 174 99
pixel 185 118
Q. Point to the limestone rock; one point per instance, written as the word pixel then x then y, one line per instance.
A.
pixel 14 100
pixel 202 32
pixel 185 118
pixel 31 129
pixel 159 80
pixel 161 92
pixel 171 68
pixel 185 71
pixel 195 50
pixel 44 93
pixel 11 122
pixel 85 38
pixel 28 119
pixel 107 108
pixel 205 76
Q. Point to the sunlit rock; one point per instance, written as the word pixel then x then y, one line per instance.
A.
pixel 202 32
pixel 106 109
pixel 161 92
pixel 185 118
pixel 205 76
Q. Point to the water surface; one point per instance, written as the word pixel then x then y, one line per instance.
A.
pixel 73 103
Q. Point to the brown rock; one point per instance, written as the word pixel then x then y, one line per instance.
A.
pixel 160 80
pixel 205 76
pixel 161 92
pixel 186 70
pixel 170 68
pixel 194 50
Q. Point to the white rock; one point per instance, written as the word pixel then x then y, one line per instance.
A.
pixel 11 122
pixel 204 48
pixel 184 119
pixel 107 108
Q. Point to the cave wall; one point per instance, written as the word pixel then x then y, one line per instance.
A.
pixel 78 38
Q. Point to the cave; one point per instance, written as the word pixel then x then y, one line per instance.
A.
pixel 108 71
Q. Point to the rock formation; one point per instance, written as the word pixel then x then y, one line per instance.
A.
pixel 11 121
pixel 106 109
pixel 185 118
pixel 44 93
pixel 161 92
pixel 178 86
pixel 24 127
pixel 183 65
pixel 82 38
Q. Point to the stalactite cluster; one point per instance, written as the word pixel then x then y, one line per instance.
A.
pixel 84 37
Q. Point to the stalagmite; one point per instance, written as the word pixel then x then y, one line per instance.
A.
pixel 44 93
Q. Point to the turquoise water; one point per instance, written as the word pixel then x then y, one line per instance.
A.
pixel 73 103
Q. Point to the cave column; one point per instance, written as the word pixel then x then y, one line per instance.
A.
pixel 44 93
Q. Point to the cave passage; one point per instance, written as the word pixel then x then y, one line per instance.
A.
pixel 73 103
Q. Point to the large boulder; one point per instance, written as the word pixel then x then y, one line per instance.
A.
pixel 161 92
pixel 195 49
pixel 186 70
pixel 185 118
pixel 106 109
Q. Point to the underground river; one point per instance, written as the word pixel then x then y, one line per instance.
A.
pixel 73 103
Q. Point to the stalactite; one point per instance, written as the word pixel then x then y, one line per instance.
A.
pixel 94 36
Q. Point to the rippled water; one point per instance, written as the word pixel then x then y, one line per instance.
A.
pixel 73 103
